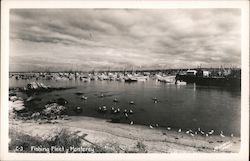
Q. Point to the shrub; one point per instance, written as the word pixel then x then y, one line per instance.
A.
pixel 63 138
pixel 141 147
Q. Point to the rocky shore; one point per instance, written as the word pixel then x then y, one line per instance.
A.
pixel 22 108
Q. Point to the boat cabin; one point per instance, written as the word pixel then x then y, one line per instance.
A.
pixel 191 72
pixel 206 73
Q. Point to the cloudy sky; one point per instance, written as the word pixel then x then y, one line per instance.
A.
pixel 86 39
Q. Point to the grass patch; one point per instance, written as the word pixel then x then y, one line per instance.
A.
pixel 21 142
pixel 141 147
pixel 25 143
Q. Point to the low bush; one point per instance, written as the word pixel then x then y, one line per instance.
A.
pixel 62 138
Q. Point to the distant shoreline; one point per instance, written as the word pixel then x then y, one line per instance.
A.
pixel 125 70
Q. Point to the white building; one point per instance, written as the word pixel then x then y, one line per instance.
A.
pixel 206 73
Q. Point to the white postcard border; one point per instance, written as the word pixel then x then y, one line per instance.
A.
pixel 243 5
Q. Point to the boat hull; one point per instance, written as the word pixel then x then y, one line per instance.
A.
pixel 210 81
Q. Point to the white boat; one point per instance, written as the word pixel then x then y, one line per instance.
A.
pixel 166 79
pixel 84 78
pixel 135 78
pixel 130 79
pixel 180 83
pixel 103 77
pixel 141 78
pixel 120 78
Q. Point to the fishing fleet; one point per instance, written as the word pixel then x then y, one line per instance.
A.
pixel 214 77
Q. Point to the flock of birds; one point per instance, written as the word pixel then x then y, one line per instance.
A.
pixel 127 112
pixel 116 110
pixel 113 110
pixel 193 132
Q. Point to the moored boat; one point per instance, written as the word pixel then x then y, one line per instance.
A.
pixel 201 78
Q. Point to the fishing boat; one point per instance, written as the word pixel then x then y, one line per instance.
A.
pixel 141 78
pixel 135 78
pixel 200 77
pixel 165 79
pixel 130 79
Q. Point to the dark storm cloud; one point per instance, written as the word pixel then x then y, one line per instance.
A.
pixel 121 38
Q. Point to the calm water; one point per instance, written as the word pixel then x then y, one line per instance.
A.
pixel 186 107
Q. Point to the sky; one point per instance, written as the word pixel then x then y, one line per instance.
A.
pixel 118 39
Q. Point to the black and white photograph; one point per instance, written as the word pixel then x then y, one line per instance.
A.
pixel 125 80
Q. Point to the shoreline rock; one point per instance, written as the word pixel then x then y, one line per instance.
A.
pixel 53 109
pixel 36 86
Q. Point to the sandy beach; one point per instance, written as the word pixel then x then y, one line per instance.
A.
pixel 124 138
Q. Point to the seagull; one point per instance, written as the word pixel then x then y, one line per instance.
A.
pixel 157 125
pixel 179 130
pixel 187 132
pixel 221 134
pixel 211 132
pixel 192 134
pixel 84 98
pixel 169 128
pixel 232 135
pixel 131 123
pixel 151 127
pixel 155 99
pixel 115 100
pixel 132 102
pixel 206 134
